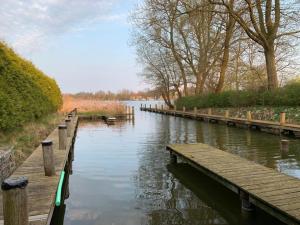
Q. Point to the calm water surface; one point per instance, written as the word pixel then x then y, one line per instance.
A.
pixel 121 173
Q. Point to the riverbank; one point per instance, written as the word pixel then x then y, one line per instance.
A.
pixel 24 140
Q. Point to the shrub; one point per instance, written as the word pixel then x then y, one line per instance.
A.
pixel 25 92
pixel 288 95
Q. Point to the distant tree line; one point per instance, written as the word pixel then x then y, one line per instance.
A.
pixel 118 96
pixel 193 47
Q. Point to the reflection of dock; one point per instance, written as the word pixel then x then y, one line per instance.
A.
pixel 41 190
pixel 261 125
pixel 265 188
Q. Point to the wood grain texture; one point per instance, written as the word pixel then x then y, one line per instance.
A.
pixel 276 192
pixel 42 189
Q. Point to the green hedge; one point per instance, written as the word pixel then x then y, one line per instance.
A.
pixel 286 96
pixel 25 92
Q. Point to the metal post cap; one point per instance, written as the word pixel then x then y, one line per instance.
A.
pixel 62 126
pixel 47 143
pixel 13 183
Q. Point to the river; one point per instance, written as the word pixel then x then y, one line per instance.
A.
pixel 122 176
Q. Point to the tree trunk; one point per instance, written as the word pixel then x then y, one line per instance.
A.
pixel 224 64
pixel 199 84
pixel 271 66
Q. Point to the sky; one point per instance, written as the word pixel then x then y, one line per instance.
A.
pixel 83 44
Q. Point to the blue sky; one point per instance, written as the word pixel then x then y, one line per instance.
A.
pixel 83 44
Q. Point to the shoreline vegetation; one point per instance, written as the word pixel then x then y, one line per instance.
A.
pixel 24 140
pixel 92 106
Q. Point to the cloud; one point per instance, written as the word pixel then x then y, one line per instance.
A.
pixel 27 25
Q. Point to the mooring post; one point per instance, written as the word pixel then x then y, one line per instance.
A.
pixel 246 204
pixel 69 126
pixel 132 111
pixel 62 137
pixel 226 113
pixel 209 111
pixel 141 106
pixel 284 145
pixel 282 118
pixel 49 166
pixel 195 110
pixel 175 107
pixel 155 106
pixel 150 106
pixel 249 116
pixel 183 108
pixel 173 158
pixel 15 202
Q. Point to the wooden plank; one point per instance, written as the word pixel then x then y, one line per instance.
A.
pixel 274 192
pixel 42 189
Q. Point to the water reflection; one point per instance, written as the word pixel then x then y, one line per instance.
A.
pixel 121 173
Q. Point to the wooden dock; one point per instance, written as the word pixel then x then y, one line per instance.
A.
pixel 276 193
pixel 261 125
pixel 42 189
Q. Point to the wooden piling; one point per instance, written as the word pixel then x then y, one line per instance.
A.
pixel 132 110
pixel 226 113
pixel 282 118
pixel 249 116
pixel 284 145
pixel 175 107
pixel 195 110
pixel 209 111
pixel 156 106
pixel 68 124
pixel 62 136
pixel 183 108
pixel 150 106
pixel 15 202
pixel 48 157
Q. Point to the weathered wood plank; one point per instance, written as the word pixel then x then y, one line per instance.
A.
pixel 274 192
pixel 42 189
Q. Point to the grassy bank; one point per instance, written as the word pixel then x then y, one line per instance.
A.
pixel 264 105
pixel 27 138
pixel 288 96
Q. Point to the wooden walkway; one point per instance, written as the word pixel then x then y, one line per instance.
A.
pixel 276 193
pixel 265 126
pixel 42 189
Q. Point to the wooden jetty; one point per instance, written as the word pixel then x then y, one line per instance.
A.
pixel 41 189
pixel 265 126
pixel 276 193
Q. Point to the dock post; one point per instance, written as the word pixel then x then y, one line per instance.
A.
pixel 68 124
pixel 132 111
pixel 15 202
pixel 209 111
pixel 284 145
pixel 282 118
pixel 48 157
pixel 173 158
pixel 141 106
pixel 227 113
pixel 175 107
pixel 62 137
pixel 155 106
pixel 195 110
pixel 246 204
pixel 183 108
pixel 150 106
pixel 249 116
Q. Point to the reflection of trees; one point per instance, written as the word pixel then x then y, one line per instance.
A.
pixel 164 198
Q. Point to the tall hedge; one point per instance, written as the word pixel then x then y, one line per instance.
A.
pixel 26 93
pixel 288 95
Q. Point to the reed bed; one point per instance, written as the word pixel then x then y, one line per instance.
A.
pixel 87 106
